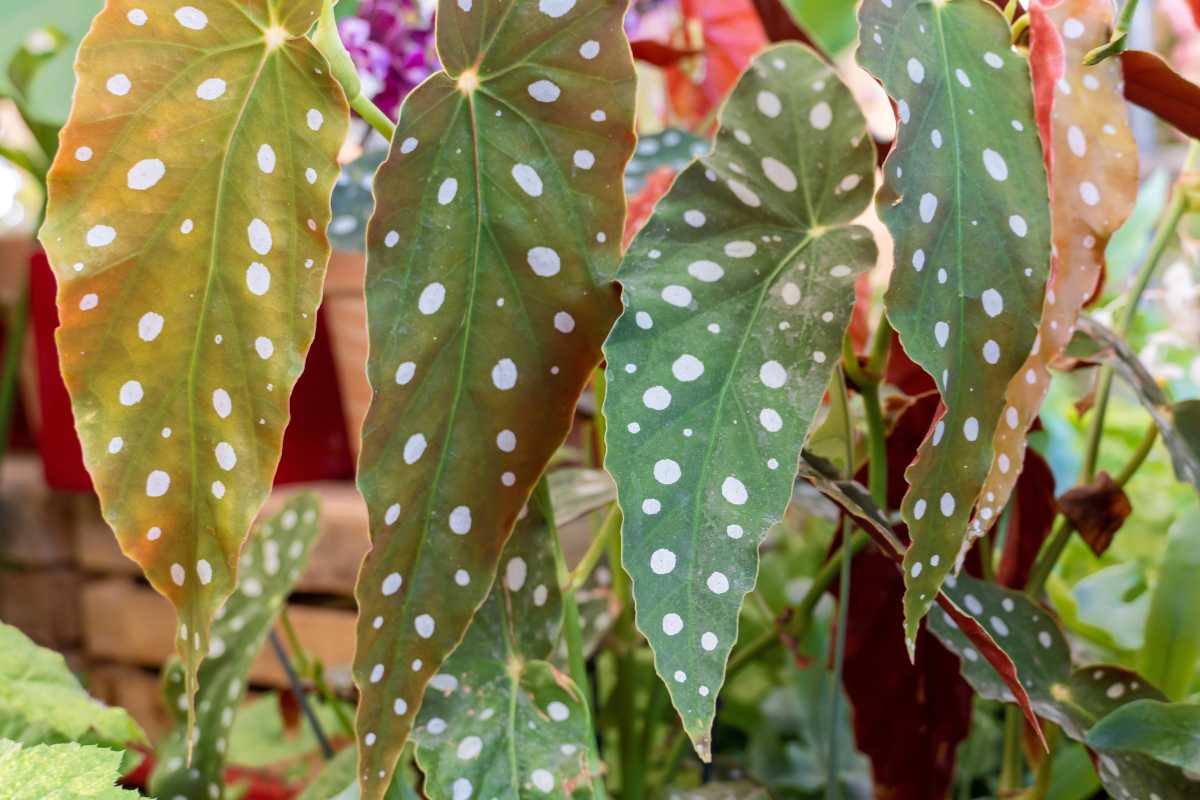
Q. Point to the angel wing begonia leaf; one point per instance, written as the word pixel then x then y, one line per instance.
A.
pixel 1092 161
pixel 186 227
pixel 965 200
pixel 275 555
pixel 1074 698
pixel 737 295
pixel 500 720
pixel 490 258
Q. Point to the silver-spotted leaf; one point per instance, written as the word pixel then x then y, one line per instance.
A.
pixel 489 263
pixel 1092 160
pixel 965 199
pixel 186 227
pixel 273 560
pixel 500 721
pixel 1167 732
pixel 737 296
pixel 672 148
pixel 1074 698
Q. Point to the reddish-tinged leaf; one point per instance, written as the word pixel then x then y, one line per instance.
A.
pixel 1152 84
pixel 965 201
pixel 659 54
pixel 780 25
pixel 497 228
pixel 1092 161
pixel 855 499
pixel 1033 512
pixel 1097 511
pixel 186 227
pixel 641 205
pixel 730 34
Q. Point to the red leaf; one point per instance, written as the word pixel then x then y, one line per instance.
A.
pixel 1153 85
pixel 658 53
pixel 1032 516
pixel 730 33
pixel 1097 511
pixel 780 26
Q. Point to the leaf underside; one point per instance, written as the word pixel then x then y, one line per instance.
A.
pixel 500 720
pixel 274 558
pixel 965 200
pixel 1085 129
pixel 1073 698
pixel 490 256
pixel 737 295
pixel 186 227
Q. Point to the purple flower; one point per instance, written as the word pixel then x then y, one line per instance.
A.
pixel 392 44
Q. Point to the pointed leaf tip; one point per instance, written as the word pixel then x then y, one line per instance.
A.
pixel 737 295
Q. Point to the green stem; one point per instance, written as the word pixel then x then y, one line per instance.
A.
pixel 1116 43
pixel 1011 765
pixel 573 634
pixel 1045 769
pixel 610 528
pixel 341 66
pixel 18 322
pixel 311 668
pixel 1162 239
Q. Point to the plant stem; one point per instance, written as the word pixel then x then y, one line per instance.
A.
pixel 573 634
pixel 374 116
pixel 1116 42
pixel 341 66
pixel 610 528
pixel 1011 765
pixel 301 697
pixel 311 668
pixel 1162 238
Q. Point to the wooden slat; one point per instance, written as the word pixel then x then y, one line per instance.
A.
pixel 44 604
pixel 134 689
pixel 35 522
pixel 128 623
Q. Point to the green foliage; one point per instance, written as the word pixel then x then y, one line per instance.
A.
pixel 500 720
pixel 831 23
pixel 968 210
pixel 41 701
pixel 353 201
pixel 188 302
pixel 672 148
pixel 336 781
pixel 1172 646
pixel 1073 698
pixel 1169 733
pixel 490 257
pixel 68 771
pixel 737 295
pixel 274 559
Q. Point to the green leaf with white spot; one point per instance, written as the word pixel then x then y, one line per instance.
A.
pixel 1166 732
pixel 274 558
pixel 965 199
pixel 186 228
pixel 489 264
pixel 501 721
pixel 42 702
pixel 671 148
pixel 737 296
pixel 68 771
pixel 1073 698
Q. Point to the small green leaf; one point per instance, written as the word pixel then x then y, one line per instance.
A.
pixel 273 560
pixel 1166 732
pixel 1085 128
pixel 1178 424
pixel 186 227
pixel 500 721
pixel 965 199
pixel 1172 646
pixel 69 771
pixel 737 295
pixel 671 148
pixel 490 257
pixel 1072 698
pixel 42 702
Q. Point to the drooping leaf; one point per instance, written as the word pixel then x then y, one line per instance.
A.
pixel 67 771
pixel 186 227
pixel 1166 732
pixel 1178 424
pixel 275 556
pixel 41 701
pixel 855 500
pixel 500 720
pixel 1172 646
pixel 490 256
pixel 965 201
pixel 1096 511
pixel 737 295
pixel 1092 162
pixel 1073 698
